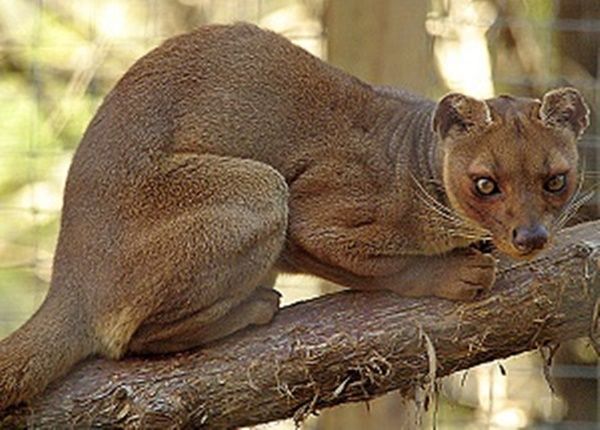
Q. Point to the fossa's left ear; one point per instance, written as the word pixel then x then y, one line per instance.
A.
pixel 565 108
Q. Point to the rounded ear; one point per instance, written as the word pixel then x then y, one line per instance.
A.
pixel 457 114
pixel 565 108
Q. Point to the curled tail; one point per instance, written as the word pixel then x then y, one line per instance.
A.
pixel 39 352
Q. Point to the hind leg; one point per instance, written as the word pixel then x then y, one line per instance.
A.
pixel 258 309
pixel 216 229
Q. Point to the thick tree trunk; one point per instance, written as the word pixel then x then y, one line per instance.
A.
pixel 381 41
pixel 344 347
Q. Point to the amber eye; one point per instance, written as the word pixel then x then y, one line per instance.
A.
pixel 486 186
pixel 556 183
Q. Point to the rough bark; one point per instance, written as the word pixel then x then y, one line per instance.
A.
pixel 344 347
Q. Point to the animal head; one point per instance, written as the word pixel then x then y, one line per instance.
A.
pixel 510 164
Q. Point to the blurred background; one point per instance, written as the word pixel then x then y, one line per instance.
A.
pixel 58 58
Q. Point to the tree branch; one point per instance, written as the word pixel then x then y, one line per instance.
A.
pixel 339 348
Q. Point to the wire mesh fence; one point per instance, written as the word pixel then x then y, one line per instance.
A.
pixel 56 66
pixel 58 59
pixel 530 47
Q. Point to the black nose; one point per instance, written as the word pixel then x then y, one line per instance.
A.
pixel 527 239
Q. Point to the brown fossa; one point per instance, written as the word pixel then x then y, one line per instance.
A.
pixel 229 155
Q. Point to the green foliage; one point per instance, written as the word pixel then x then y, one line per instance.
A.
pixel 53 73
pixel 56 65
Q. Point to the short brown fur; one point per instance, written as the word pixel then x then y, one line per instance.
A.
pixel 228 155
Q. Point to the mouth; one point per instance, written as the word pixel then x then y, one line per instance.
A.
pixel 524 255
pixel 529 255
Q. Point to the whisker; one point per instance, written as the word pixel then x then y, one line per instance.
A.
pixel 432 199
pixel 438 207
pixel 461 227
pixel 437 210
pixel 573 198
pixel 572 208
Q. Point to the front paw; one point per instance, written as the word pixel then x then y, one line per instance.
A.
pixel 467 277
